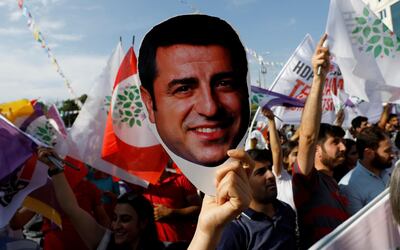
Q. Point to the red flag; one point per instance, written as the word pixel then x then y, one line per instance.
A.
pixel 128 141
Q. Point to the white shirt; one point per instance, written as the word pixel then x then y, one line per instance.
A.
pixel 105 240
pixel 284 186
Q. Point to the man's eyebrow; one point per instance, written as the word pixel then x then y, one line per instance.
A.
pixel 185 81
pixel 221 75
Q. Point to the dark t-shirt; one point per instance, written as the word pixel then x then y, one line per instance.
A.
pixel 254 230
pixel 320 207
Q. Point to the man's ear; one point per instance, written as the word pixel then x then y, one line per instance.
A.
pixel 148 101
pixel 369 153
pixel 318 151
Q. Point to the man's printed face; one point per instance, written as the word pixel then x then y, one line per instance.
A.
pixel 201 107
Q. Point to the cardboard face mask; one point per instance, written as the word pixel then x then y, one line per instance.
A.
pixel 198 104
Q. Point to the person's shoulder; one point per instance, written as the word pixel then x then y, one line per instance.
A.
pixel 234 235
pixel 347 177
pixel 285 208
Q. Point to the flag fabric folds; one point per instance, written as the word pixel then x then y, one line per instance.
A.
pixel 268 99
pixel 20 173
pixel 16 148
pixel 367 52
pixel 43 201
pixel 372 227
pixel 85 138
pixel 16 110
pixel 128 141
pixel 295 81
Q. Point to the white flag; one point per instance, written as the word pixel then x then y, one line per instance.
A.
pixel 85 138
pixel 372 227
pixel 367 52
pixel 296 78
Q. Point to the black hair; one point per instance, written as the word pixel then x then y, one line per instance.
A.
pixel 392 116
pixel 326 130
pixel 356 122
pixel 288 146
pixel 260 155
pixel 193 29
pixel 369 138
pixel 144 209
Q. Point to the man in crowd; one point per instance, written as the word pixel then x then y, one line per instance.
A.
pixel 193 72
pixel 320 208
pixel 268 223
pixel 358 124
pixel 176 206
pixel 371 175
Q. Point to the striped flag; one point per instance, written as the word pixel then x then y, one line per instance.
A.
pixel 85 138
pixel 128 141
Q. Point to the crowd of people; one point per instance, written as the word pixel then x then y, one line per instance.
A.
pixel 286 191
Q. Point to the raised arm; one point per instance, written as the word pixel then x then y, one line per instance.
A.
pixel 384 116
pixel 86 226
pixel 233 196
pixel 276 149
pixel 311 117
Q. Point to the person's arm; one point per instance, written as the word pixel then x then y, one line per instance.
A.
pixel 275 144
pixel 339 118
pixel 192 201
pixel 101 216
pixel 232 197
pixel 384 116
pixel 311 117
pixel 86 226
pixel 161 211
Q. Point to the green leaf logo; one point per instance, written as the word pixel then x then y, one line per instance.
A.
pixel 45 134
pixel 374 37
pixel 128 108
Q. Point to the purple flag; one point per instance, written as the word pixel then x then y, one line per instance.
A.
pixel 267 99
pixel 16 148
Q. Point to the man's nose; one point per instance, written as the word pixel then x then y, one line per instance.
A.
pixel 206 102
pixel 115 224
pixel 342 146
pixel 269 175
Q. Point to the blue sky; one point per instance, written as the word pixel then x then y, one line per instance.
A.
pixel 82 34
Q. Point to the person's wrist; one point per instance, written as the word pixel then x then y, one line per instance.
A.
pixel 54 171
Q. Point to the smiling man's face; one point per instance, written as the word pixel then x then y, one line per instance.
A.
pixel 202 108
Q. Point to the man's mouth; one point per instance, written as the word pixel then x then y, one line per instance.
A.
pixel 207 130
pixel 119 234
pixel 271 186
pixel 209 133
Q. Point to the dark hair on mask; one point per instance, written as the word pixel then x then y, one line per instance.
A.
pixel 193 29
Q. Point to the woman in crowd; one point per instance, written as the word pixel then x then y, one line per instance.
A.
pixel 290 149
pixel 132 225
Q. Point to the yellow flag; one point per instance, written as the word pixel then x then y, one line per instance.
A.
pixel 16 109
